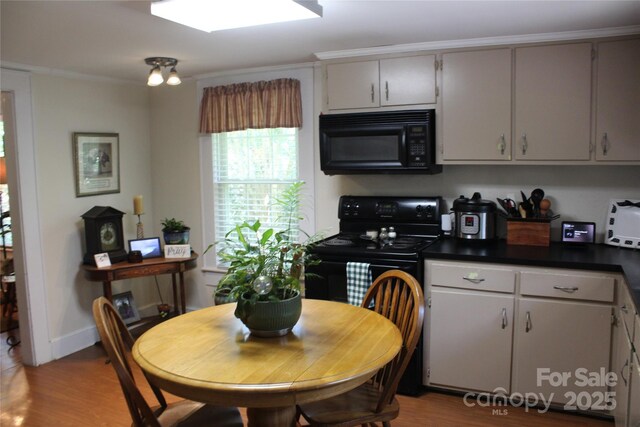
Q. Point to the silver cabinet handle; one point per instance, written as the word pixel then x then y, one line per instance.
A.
pixel 605 144
pixel 626 363
pixel 386 89
pixel 528 325
pixel 624 309
pixel 476 281
pixel 525 144
pixel 372 93
pixel 566 289
pixel 504 318
pixel 502 145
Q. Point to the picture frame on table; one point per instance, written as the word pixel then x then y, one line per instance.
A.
pixel 149 247
pixel 96 163
pixel 126 307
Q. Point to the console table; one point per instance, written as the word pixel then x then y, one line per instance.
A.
pixel 148 267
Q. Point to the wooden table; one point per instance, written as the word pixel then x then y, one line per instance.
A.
pixel 148 267
pixel 209 356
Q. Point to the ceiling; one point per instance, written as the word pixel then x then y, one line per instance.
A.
pixel 112 38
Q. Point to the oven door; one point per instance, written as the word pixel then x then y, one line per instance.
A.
pixel 328 280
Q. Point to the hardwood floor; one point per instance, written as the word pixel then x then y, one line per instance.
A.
pixel 81 390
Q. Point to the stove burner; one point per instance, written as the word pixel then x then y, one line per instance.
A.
pixel 339 241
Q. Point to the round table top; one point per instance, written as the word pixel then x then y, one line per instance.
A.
pixel 208 355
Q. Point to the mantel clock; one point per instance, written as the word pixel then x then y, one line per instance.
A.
pixel 103 233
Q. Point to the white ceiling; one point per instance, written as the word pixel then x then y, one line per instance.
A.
pixel 111 38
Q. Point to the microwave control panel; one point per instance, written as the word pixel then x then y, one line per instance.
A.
pixel 416 145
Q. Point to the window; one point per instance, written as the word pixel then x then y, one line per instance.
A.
pixel 250 169
pixel 243 171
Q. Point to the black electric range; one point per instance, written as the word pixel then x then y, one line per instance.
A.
pixel 416 222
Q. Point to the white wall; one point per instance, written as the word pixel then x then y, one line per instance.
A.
pixel 175 172
pixel 577 193
pixel 62 106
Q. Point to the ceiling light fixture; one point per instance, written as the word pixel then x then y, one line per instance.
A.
pixel 223 15
pixel 155 75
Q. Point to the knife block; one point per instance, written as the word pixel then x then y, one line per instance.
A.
pixel 531 232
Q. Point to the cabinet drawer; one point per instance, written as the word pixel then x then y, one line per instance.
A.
pixel 471 276
pixel 570 284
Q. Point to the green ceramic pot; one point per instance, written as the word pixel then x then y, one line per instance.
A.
pixel 176 237
pixel 270 318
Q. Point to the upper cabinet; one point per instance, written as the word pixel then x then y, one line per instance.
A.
pixel 553 102
pixel 618 101
pixel 387 82
pixel 476 105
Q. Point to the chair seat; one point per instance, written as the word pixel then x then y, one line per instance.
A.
pixel 353 408
pixel 188 413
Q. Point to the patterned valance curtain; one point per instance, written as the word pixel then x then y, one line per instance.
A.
pixel 260 105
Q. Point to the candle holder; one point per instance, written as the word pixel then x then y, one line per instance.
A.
pixel 140 228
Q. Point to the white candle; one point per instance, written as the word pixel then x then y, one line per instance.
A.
pixel 137 205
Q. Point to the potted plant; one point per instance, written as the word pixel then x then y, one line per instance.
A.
pixel 266 267
pixel 175 232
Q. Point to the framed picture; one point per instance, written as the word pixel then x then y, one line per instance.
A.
pixel 150 247
pixel 126 307
pixel 96 163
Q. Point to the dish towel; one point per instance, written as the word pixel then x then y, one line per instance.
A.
pixel 358 282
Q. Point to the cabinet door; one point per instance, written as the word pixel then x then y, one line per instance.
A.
pixel 405 81
pixel 553 102
pixel 618 101
pixel 621 354
pixel 470 336
pixel 634 392
pixel 353 85
pixel 476 105
pixel 560 337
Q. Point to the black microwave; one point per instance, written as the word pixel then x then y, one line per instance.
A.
pixel 379 142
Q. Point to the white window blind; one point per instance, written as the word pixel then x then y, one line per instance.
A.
pixel 250 169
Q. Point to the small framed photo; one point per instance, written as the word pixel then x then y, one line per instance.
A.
pixel 150 248
pixel 96 163
pixel 126 307
pixel 102 260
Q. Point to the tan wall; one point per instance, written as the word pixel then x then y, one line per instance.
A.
pixel 61 107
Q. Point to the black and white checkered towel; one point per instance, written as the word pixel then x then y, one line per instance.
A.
pixel 358 282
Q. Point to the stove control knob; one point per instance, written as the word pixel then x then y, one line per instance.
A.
pixel 419 210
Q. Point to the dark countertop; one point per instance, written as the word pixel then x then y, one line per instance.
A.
pixel 558 255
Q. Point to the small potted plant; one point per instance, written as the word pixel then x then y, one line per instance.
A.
pixel 175 232
pixel 266 267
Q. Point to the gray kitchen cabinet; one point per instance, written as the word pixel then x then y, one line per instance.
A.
pixel 469 322
pixel 560 331
pixel 625 362
pixel 381 83
pixel 618 101
pixel 516 320
pixel 479 326
pixel 553 102
pixel 634 392
pixel 560 337
pixel 476 105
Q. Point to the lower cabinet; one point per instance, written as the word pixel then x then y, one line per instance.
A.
pixel 561 348
pixel 634 392
pixel 520 330
pixel 478 326
pixel 622 354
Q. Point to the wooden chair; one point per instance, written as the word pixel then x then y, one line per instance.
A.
pixel 398 296
pixel 117 342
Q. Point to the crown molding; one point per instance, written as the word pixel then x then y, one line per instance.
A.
pixel 35 69
pixel 481 42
